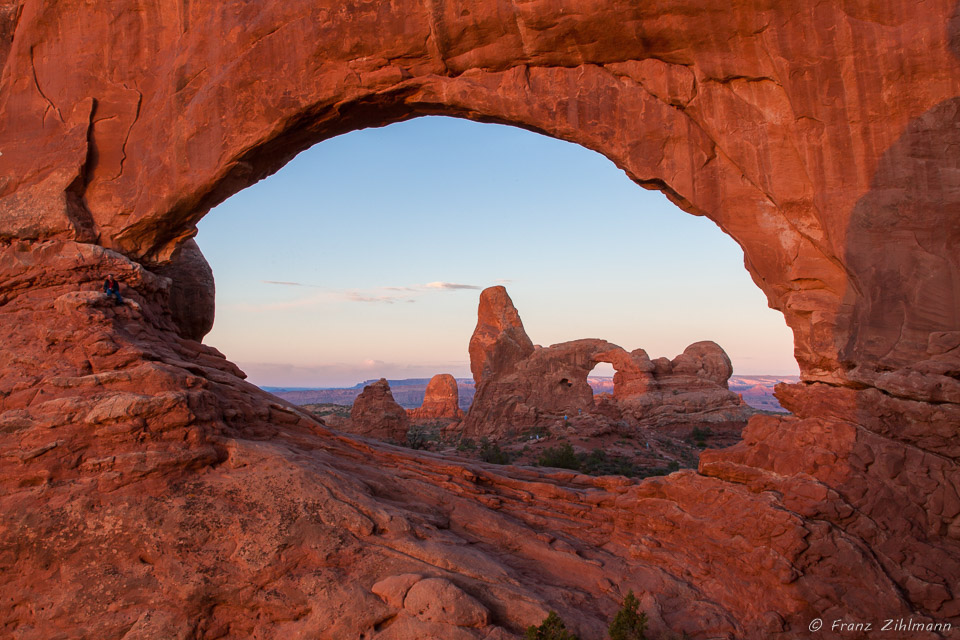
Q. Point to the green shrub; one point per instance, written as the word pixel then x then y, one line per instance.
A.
pixel 599 463
pixel 561 457
pixel 552 628
pixel 420 437
pixel 466 444
pixel 700 434
pixel 628 624
pixel 491 452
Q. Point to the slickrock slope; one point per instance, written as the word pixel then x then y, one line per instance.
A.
pixel 146 491
pixel 376 414
pixel 549 385
pixel 441 400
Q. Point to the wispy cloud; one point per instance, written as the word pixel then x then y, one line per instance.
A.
pixel 378 295
pixel 503 281
pixel 289 284
pixel 450 286
pixel 358 296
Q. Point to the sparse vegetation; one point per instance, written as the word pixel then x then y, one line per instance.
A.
pixel 328 409
pixel 466 444
pixel 422 437
pixel 599 463
pixel 699 436
pixel 561 457
pixel 491 452
pixel 552 628
pixel 629 624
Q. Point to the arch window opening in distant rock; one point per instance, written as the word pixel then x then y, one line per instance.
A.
pixel 600 378
pixel 365 255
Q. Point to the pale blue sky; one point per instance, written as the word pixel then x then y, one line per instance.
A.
pixel 329 272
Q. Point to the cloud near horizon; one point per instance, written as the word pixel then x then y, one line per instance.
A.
pixel 450 286
pixel 290 284
pixel 396 294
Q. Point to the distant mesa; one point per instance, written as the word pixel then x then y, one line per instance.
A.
pixel 520 386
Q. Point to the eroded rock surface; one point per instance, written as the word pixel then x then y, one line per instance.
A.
pixel 548 387
pixel 499 341
pixel 441 401
pixel 376 414
pixel 146 491
pixel 192 291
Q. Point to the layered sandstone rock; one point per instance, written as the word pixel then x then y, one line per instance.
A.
pixel 376 414
pixel 549 386
pixel 192 292
pixel 146 491
pixel 441 401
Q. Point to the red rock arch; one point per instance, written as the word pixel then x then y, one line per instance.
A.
pixel 818 135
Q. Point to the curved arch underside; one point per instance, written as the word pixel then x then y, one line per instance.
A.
pixel 822 137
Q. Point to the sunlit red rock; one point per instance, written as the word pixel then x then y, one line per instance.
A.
pixel 147 491
pixel 499 341
pixel 440 401
pixel 549 387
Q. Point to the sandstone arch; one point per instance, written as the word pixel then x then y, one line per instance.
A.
pixel 817 136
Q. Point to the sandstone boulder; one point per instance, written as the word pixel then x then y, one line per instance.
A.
pixel 192 291
pixel 439 600
pixel 376 414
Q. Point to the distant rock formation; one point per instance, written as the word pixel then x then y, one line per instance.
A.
pixel 441 400
pixel 499 342
pixel 376 414
pixel 520 387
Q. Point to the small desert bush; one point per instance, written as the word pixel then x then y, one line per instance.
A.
pixel 466 444
pixel 491 452
pixel 599 463
pixel 561 457
pixel 422 437
pixel 629 624
pixel 552 628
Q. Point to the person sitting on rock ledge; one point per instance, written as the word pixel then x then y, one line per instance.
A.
pixel 112 288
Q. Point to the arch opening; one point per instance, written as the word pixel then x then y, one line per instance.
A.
pixel 478 205
pixel 381 259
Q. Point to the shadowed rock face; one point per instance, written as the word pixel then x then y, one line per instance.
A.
pixel 147 491
pixel 192 292
pixel 441 400
pixel 549 385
